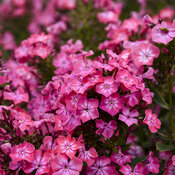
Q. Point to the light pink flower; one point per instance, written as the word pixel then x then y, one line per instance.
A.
pixel 144 54
pixel 163 33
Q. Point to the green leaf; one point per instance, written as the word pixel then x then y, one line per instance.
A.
pixel 162 147
pixel 160 100
pixel 138 159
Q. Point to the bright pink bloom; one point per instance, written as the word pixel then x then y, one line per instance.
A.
pixel 152 121
pixel 173 159
pixel 101 166
pixel 144 54
pixel 163 33
pixel 66 4
pixel 61 166
pixel 132 99
pixel 40 162
pixel 107 16
pixel 88 156
pixel 128 117
pixel 68 145
pixel 62 63
pixel 106 129
pixel 112 104
pixel 107 87
pixel 23 151
pixel 153 165
pixel 127 170
pixel 18 96
pixel 120 158
pixel 126 78
pixel 87 109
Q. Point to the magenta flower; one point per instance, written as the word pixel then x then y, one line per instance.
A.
pixel 87 109
pixel 163 33
pixel 60 165
pixel 127 170
pixel 40 162
pixel 123 76
pixel 23 151
pixel 144 54
pixel 88 156
pixel 152 121
pixel 68 145
pixel 112 104
pixel 132 99
pixel 120 158
pixel 173 159
pixel 153 165
pixel 107 87
pixel 106 129
pixel 129 117
pixel 101 166
pixel 66 4
pixel 18 96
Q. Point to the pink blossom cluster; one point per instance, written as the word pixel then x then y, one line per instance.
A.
pixel 73 123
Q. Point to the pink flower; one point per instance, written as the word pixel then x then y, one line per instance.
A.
pixel 62 63
pixel 152 121
pixel 60 165
pixel 126 78
pixel 127 170
pixel 107 130
pixel 17 97
pixel 153 165
pixel 173 159
pixel 128 117
pixel 112 104
pixel 23 151
pixel 88 156
pixel 101 166
pixel 68 145
pixel 107 87
pixel 144 54
pixel 163 33
pixel 40 162
pixel 66 4
pixel 120 158
pixel 87 109
pixel 132 99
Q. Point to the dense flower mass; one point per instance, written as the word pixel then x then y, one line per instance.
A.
pixel 86 88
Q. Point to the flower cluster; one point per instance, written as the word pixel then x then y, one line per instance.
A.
pixel 94 113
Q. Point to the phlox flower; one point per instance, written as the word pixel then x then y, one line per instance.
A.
pixel 87 109
pixel 112 104
pixel 120 158
pixel 106 129
pixel 132 99
pixel 129 117
pixel 123 76
pixel 127 170
pixel 62 166
pixel 23 151
pixel 40 162
pixel 18 96
pixel 107 87
pixel 66 4
pixel 163 33
pixel 153 165
pixel 144 54
pixel 67 145
pixel 101 166
pixel 88 156
pixel 152 121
